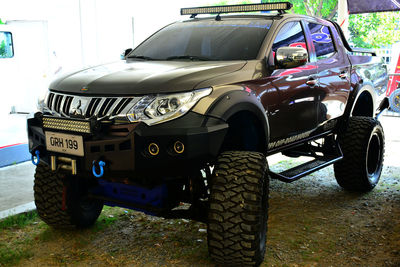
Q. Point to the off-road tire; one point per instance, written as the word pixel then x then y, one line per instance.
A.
pixel 238 212
pixel 363 147
pixel 61 202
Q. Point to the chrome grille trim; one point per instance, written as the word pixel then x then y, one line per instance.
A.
pixel 63 105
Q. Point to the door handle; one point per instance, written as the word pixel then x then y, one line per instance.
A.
pixel 311 82
pixel 343 75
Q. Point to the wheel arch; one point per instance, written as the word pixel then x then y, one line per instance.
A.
pixel 363 103
pixel 246 117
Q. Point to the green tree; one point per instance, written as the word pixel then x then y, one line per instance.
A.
pixel 3 52
pixel 325 9
pixel 317 8
pixel 374 30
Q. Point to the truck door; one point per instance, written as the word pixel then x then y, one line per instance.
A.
pixel 291 101
pixel 333 72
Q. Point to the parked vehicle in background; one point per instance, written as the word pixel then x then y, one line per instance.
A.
pixel 394 83
pixel 193 122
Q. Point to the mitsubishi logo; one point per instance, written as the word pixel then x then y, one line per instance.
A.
pixel 75 110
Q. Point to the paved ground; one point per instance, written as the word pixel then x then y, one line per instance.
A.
pixel 16 188
pixel 16 182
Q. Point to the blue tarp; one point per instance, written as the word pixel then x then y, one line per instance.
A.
pixel 14 154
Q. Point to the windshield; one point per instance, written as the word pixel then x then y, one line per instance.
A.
pixel 233 39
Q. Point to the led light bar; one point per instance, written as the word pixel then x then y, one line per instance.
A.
pixel 66 125
pixel 279 6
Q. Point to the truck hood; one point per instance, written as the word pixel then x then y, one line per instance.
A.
pixel 143 77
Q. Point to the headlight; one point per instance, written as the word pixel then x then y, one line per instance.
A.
pixel 40 105
pixel 161 108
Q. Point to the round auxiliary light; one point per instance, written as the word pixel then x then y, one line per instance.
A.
pixel 153 149
pixel 179 147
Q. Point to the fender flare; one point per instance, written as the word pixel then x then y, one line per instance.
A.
pixel 236 101
pixel 357 92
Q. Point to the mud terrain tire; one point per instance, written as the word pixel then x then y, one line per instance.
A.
pixel 237 218
pixel 363 146
pixel 60 200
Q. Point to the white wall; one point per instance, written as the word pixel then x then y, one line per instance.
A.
pixel 88 32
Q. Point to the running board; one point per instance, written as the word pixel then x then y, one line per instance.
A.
pixel 306 168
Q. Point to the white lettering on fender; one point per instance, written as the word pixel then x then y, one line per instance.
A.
pixel 289 140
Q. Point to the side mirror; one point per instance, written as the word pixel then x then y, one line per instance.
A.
pixel 291 57
pixel 125 53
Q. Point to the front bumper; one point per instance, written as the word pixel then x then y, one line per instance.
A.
pixel 125 148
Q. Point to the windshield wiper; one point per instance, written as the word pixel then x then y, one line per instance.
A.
pixel 188 57
pixel 141 57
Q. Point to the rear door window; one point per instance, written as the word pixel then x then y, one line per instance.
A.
pixel 6 45
pixel 322 40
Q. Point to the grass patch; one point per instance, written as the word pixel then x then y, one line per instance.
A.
pixel 108 217
pixel 11 256
pixel 19 220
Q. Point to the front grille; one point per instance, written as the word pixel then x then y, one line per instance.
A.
pixel 63 105
pixel 66 125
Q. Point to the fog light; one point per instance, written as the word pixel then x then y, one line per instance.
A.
pixel 153 149
pixel 179 147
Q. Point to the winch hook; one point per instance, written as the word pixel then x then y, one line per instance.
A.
pixel 36 159
pixel 101 167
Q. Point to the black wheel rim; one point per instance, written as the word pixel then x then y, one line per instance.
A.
pixel 374 157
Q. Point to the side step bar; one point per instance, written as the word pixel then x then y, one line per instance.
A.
pixel 306 168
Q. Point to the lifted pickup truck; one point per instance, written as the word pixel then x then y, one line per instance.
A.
pixel 190 115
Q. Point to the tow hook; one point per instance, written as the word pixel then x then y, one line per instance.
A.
pixel 101 165
pixel 36 159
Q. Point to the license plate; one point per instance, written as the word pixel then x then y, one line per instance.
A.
pixel 64 143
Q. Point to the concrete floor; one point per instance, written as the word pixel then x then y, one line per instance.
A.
pixel 16 188
pixel 16 182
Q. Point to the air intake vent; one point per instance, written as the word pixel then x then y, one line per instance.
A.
pixel 94 102
pixel 121 105
pixel 57 103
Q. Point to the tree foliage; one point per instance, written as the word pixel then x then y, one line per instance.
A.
pixel 3 51
pixel 325 9
pixel 374 30
pixel 317 8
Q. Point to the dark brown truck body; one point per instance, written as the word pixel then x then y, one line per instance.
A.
pixel 254 104
pixel 191 115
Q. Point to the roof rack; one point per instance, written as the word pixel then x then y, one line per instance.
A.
pixel 194 11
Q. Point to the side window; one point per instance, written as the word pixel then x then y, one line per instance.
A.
pixel 6 45
pixel 291 34
pixel 322 40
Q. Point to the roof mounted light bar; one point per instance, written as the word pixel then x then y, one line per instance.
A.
pixel 279 6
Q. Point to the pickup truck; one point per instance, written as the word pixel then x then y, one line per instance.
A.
pixel 191 115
